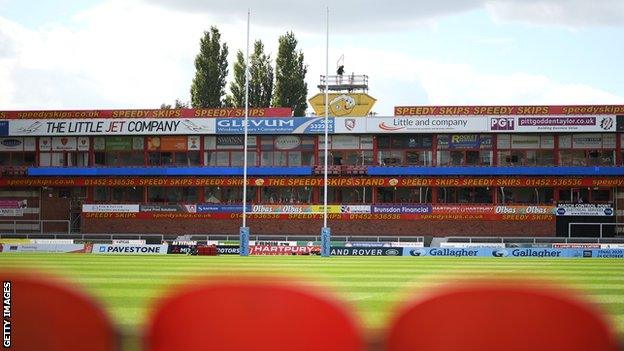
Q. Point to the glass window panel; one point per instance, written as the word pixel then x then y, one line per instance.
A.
pixel 100 194
pixel 294 158
pixel 154 158
pixel 156 194
pixel 134 194
pixel 280 158
pixel 58 159
pixel 5 158
pixel 601 195
pixel 223 158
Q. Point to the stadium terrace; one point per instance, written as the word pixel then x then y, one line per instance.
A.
pixel 426 170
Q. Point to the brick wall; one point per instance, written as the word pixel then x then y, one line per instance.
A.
pixel 313 227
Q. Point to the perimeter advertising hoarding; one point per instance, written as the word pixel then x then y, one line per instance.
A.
pixel 118 208
pixel 366 251
pixel 475 124
pixel 514 252
pixel 136 126
pixel 61 248
pixel 130 249
pixel 294 125
pixel 585 210
pixel 149 113
pixel 509 110
pixel 409 181
pixel 337 212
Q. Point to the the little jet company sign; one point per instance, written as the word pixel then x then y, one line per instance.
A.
pixel 137 126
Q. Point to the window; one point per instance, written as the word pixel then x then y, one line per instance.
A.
pixel 287 150
pixel 227 150
pixel 118 194
pixel 344 195
pixel 286 195
pixel 482 195
pixel 588 149
pixel 17 158
pixel 464 150
pixel 411 150
pixel 173 194
pixel 403 195
pixel 119 151
pixel 16 151
pixel 226 194
pixel 173 150
pixel 529 196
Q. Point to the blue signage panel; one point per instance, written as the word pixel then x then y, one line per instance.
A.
pixel 4 128
pixel 215 208
pixel 513 252
pixel 275 125
pixel 403 209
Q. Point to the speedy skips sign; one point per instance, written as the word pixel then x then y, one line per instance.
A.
pixel 295 125
pixel 130 249
pixel 134 126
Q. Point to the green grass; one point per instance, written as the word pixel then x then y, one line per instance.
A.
pixel 374 286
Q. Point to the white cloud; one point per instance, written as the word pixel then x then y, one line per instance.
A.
pixel 459 84
pixel 128 54
pixel 569 13
pixel 373 16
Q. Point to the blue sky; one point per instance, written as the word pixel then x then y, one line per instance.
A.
pixel 139 53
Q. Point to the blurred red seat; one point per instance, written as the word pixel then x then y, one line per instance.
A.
pixel 250 315
pixel 500 316
pixel 49 315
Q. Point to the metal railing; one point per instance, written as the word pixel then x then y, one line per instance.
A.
pixel 600 230
pixel 35 223
pixel 299 237
pixel 532 240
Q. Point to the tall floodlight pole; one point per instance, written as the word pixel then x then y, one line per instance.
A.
pixel 244 230
pixel 325 231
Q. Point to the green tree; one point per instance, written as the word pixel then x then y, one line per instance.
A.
pixel 260 79
pixel 291 89
pixel 236 98
pixel 211 70
pixel 178 104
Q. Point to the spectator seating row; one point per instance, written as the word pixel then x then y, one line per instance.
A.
pixel 272 315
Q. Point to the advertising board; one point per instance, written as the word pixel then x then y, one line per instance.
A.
pixel 294 125
pixel 366 251
pixel 136 126
pixel 130 249
pixel 515 252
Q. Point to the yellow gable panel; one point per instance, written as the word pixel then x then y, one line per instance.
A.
pixel 343 105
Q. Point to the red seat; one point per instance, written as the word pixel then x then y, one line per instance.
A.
pixel 500 316
pixel 250 315
pixel 49 315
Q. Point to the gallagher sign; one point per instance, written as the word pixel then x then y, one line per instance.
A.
pixel 295 125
